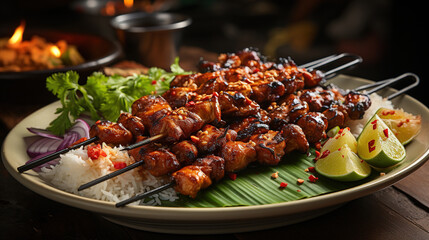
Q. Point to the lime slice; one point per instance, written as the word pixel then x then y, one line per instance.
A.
pixel 333 131
pixel 343 165
pixel 404 125
pixel 341 138
pixel 378 146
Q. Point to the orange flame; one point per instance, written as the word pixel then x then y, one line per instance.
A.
pixel 128 3
pixel 55 51
pixel 17 35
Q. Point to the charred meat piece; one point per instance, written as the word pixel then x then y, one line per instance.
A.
pixel 314 125
pixel 150 109
pixel 336 116
pixel 160 162
pixel 294 138
pixel 191 179
pixel 209 138
pixel 269 147
pixel 137 153
pixel 133 123
pixel 179 96
pixel 267 91
pixel 247 127
pixel 356 104
pixel 237 105
pixel 207 107
pixel 186 152
pixel 111 133
pixel 178 125
pixel 217 165
pixel 187 81
pixel 238 155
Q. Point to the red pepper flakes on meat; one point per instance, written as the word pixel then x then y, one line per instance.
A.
pixel 119 165
pixel 371 146
pixel 190 104
pixel 386 132
pixel 232 176
pixel 283 185
pixel 312 178
pixel 95 151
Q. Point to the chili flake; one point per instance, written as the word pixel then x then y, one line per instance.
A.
pixel 386 132
pixel 95 151
pixel 371 146
pixel 325 154
pixel 153 82
pixel 275 175
pixel 283 185
pixel 313 178
pixel 232 176
pixel 300 181
pixel 119 165
pixel 311 169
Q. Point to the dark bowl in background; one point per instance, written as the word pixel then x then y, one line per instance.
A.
pixel 97 51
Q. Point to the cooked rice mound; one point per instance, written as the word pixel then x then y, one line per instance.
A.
pixel 356 126
pixel 76 168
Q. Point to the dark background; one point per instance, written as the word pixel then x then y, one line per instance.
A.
pixel 389 35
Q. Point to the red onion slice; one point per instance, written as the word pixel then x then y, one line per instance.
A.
pixel 43 145
pixel 43 133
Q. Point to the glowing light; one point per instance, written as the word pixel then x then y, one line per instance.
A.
pixel 128 3
pixel 55 51
pixel 17 35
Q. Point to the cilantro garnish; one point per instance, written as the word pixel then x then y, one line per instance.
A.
pixel 103 97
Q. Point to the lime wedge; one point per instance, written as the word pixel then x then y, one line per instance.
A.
pixel 341 138
pixel 343 165
pixel 404 125
pixel 378 146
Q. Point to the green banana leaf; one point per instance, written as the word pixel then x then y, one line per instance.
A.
pixel 255 186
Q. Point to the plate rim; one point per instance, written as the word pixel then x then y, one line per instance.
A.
pixel 203 214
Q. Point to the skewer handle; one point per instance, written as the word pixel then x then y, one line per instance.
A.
pixel 109 176
pixel 54 155
pixel 145 194
pixel 141 143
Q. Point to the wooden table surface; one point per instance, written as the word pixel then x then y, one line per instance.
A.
pixel 400 211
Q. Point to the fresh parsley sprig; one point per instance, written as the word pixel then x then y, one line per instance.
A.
pixel 104 97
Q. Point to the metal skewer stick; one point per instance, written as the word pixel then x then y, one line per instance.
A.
pixel 110 175
pixel 53 156
pixel 145 194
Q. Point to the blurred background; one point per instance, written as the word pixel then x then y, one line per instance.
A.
pixel 389 35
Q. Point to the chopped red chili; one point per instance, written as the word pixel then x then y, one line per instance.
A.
pixel 386 132
pixel 311 169
pixel 325 154
pixel 371 146
pixel 283 185
pixel 317 154
pixel 119 165
pixel 190 103
pixel 79 141
pixel 95 151
pixel 153 82
pixel 374 124
pixel 313 178
pixel 232 176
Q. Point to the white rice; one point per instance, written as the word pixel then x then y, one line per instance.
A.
pixel 76 168
pixel 356 126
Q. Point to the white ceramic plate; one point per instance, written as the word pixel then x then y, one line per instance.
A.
pixel 215 220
